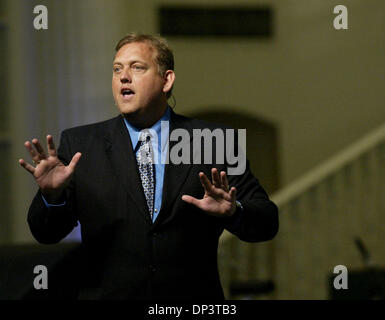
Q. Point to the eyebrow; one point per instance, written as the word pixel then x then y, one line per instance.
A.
pixel 130 62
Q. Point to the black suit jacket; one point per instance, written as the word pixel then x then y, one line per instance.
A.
pixel 125 254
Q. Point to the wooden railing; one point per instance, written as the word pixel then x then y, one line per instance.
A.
pixel 320 215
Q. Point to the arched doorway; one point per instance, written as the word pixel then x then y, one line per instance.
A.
pixel 261 143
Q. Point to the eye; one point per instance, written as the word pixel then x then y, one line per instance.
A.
pixel 117 69
pixel 138 67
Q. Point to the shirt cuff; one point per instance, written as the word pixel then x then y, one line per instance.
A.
pixel 233 223
pixel 48 205
pixel 238 213
pixel 239 205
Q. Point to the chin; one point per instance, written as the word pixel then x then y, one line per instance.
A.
pixel 128 110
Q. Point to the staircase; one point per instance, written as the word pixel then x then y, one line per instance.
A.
pixel 321 215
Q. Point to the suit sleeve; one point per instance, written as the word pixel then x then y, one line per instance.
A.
pixel 258 221
pixel 52 224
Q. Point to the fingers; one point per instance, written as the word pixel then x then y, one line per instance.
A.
pixel 39 149
pixel 74 161
pixel 218 180
pixel 34 155
pixel 218 189
pixel 206 184
pixel 37 153
pixel 215 178
pixel 233 194
pixel 224 181
pixel 27 166
pixel 51 146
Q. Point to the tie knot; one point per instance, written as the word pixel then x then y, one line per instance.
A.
pixel 144 136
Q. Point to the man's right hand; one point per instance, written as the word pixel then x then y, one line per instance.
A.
pixel 51 175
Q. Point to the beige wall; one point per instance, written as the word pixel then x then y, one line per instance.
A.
pixel 322 88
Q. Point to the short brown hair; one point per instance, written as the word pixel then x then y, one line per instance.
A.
pixel 164 57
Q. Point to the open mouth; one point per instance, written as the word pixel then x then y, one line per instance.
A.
pixel 127 92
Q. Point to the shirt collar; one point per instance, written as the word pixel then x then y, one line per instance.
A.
pixel 135 132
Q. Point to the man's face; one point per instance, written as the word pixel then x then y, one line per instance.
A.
pixel 137 86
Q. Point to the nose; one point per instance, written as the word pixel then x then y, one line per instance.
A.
pixel 125 77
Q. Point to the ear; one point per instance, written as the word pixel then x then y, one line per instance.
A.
pixel 169 78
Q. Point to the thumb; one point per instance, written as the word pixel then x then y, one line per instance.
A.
pixel 74 161
pixel 192 200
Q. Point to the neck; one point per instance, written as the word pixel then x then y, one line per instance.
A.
pixel 147 120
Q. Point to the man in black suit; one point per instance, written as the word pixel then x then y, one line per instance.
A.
pixel 149 230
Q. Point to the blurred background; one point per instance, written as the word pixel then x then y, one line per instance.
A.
pixel 311 98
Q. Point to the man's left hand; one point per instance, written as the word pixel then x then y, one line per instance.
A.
pixel 218 200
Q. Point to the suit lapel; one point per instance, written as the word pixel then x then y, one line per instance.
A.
pixel 120 152
pixel 175 175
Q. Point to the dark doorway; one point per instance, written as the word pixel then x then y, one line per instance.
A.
pixel 261 143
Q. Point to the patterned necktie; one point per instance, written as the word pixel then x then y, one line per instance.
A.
pixel 145 160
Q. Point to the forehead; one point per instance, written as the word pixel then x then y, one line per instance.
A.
pixel 135 51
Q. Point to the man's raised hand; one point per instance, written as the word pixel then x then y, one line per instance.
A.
pixel 218 200
pixel 51 175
